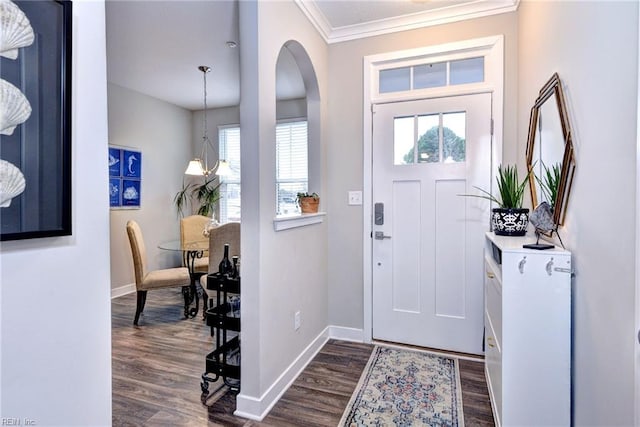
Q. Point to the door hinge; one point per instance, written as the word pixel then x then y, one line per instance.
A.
pixel 491 127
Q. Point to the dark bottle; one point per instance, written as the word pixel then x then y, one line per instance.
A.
pixel 225 266
pixel 236 272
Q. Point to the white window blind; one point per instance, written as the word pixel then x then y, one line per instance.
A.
pixel 229 150
pixel 291 165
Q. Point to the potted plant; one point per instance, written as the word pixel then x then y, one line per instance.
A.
pixel 308 202
pixel 206 194
pixel 510 218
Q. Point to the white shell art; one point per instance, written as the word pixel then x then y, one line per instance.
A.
pixel 15 29
pixel 14 107
pixel 130 193
pixel 11 183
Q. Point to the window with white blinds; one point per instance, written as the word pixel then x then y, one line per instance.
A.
pixel 229 150
pixel 291 165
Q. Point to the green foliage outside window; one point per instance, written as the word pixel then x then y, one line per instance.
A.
pixel 453 147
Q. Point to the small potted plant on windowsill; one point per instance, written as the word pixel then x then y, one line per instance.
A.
pixel 308 202
pixel 510 218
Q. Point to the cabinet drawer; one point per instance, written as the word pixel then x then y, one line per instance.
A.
pixel 493 361
pixel 493 298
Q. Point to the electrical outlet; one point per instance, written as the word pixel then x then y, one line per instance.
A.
pixel 296 321
pixel 355 197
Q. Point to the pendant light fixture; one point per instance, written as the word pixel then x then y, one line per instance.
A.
pixel 195 166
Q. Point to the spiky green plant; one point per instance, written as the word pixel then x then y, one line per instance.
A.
pixel 510 188
pixel 206 194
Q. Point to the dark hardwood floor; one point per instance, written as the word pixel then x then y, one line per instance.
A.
pixel 157 368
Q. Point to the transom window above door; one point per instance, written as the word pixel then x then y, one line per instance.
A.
pixel 429 138
pixel 431 75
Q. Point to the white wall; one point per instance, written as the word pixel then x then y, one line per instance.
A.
pixel 56 313
pixel 345 144
pixel 284 271
pixel 163 133
pixel 594 48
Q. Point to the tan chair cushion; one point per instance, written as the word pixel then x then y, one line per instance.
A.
pixel 201 265
pixel 165 278
pixel 145 280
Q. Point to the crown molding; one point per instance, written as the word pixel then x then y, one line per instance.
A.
pixel 472 9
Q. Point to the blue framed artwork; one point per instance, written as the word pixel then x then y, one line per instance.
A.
pixel 125 177
pixel 131 164
pixel 131 193
pixel 115 191
pixel 115 161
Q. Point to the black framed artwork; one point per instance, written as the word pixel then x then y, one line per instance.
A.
pixel 35 121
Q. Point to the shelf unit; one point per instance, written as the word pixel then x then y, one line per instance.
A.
pixel 224 361
pixel 527 332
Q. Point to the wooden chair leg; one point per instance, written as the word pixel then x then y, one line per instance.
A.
pixel 142 298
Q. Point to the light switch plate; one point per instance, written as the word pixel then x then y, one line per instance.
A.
pixel 355 197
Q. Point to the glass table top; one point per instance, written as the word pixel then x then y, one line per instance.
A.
pixel 176 245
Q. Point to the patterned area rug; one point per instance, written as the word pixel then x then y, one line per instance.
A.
pixel 406 388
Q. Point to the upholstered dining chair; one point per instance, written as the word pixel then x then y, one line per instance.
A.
pixel 191 231
pixel 225 233
pixel 155 279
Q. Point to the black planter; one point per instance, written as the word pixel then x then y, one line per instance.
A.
pixel 510 222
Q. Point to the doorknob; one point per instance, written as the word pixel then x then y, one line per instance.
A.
pixel 379 235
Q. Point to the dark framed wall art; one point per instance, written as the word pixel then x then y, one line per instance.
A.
pixel 35 121
pixel 125 177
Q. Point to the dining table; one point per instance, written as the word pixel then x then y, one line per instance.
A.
pixel 190 252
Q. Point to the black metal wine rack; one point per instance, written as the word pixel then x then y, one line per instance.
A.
pixel 224 321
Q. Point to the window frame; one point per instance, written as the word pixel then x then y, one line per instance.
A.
pixel 279 181
pixel 224 181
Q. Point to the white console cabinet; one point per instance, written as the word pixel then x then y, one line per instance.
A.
pixel 527 332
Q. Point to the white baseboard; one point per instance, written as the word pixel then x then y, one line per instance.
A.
pixel 123 290
pixel 346 334
pixel 257 408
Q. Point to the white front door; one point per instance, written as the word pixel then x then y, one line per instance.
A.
pixel 427 239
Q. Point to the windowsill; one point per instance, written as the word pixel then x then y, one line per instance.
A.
pixel 286 222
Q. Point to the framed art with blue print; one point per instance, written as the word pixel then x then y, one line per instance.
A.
pixel 125 177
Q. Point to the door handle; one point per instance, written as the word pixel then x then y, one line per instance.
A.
pixel 379 235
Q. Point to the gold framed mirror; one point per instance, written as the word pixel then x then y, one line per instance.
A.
pixel 550 159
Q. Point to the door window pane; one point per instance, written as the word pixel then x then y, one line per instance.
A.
pixel 395 80
pixel 403 140
pixel 429 138
pixel 453 137
pixel 438 138
pixel 430 75
pixel 467 71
